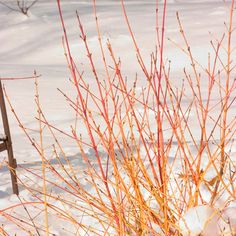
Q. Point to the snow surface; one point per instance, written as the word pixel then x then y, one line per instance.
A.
pixel 34 43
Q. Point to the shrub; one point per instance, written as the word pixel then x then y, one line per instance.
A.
pixel 141 166
pixel 22 6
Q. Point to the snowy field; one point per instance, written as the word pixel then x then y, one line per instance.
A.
pixel 34 42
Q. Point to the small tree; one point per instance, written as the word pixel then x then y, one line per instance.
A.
pixel 21 6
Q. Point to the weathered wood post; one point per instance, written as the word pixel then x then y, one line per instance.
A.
pixel 6 144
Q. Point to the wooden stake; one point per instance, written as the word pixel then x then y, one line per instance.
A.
pixel 6 143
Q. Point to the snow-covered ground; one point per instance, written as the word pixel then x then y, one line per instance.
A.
pixel 34 43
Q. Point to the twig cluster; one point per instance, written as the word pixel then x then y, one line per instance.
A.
pixel 143 174
pixel 22 6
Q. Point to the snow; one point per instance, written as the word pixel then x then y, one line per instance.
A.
pixel 199 220
pixel 205 220
pixel 34 43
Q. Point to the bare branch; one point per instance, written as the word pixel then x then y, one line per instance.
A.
pixel 9 7
pixel 32 4
pixel 21 6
